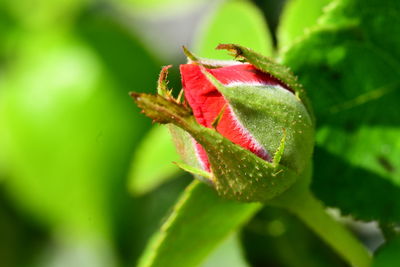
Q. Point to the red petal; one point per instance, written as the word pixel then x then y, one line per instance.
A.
pixel 207 103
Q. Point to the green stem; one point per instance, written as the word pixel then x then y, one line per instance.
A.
pixel 311 211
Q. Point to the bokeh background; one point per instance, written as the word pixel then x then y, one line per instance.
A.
pixel 85 179
pixel 71 140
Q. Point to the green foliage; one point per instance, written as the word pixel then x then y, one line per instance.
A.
pixel 291 28
pixel 353 83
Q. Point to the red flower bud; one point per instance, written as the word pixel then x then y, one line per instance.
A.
pixel 252 124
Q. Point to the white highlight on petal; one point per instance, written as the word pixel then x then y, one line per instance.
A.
pixel 241 83
pixel 254 83
pixel 216 63
pixel 259 84
pixel 197 153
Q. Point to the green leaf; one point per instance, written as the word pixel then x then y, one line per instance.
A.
pixel 152 162
pixel 350 66
pixel 388 254
pixel 198 223
pixel 335 187
pixel 229 253
pixel 297 17
pixel 237 21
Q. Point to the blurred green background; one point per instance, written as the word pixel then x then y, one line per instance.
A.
pixel 75 169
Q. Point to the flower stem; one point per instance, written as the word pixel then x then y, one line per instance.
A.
pixel 311 211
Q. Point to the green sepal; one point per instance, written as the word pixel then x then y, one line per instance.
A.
pixel 272 114
pixel 240 174
pixel 195 171
pixel 268 65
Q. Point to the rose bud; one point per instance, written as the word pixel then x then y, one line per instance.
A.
pixel 251 132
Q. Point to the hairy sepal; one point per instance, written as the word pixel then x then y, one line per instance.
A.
pixel 271 113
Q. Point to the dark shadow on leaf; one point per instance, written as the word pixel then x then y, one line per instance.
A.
pixel 363 194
